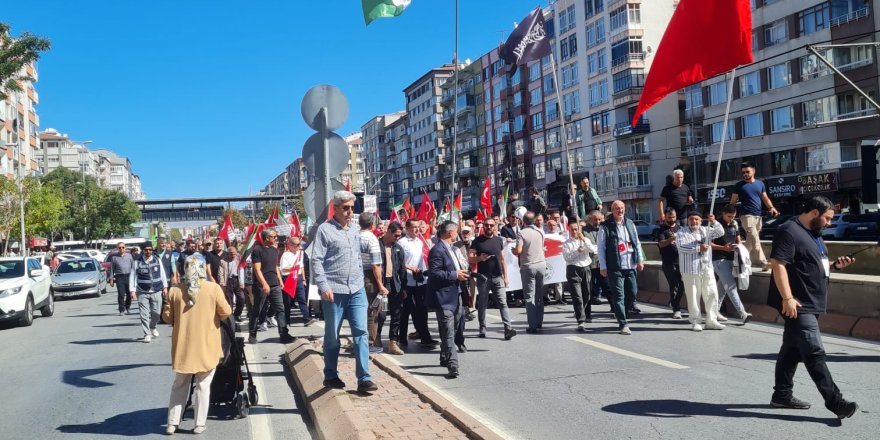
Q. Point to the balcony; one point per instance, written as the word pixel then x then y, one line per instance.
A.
pixel 447 97
pixel 618 3
pixel 633 60
pixel 626 96
pixel 626 129
pixel 852 16
pixel 447 118
pixel 631 157
pixel 696 150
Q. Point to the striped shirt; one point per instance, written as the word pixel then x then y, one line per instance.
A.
pixel 336 259
pixel 370 252
pixel 690 259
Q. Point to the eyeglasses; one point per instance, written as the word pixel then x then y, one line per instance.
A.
pixel 120 247
pixel 346 207
pixel 490 225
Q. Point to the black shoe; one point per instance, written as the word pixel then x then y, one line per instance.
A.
pixel 635 311
pixel 462 348
pixel 789 403
pixel 336 383
pixel 588 320
pixel 444 362
pixel 367 386
pixel 287 339
pixel 531 331
pixel 452 374
pixel 252 340
pixel 482 333
pixel 509 333
pixel 845 409
pixel 431 343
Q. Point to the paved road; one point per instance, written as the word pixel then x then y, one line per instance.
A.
pixel 664 381
pixel 84 373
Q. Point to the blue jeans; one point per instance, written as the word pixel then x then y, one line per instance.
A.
pixel 354 308
pixel 624 287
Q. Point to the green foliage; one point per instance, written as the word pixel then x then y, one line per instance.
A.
pixel 237 217
pixel 298 203
pixel 267 210
pixel 43 209
pixel 16 53
pixel 175 235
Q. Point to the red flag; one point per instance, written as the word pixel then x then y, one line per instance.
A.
pixel 704 38
pixel 393 217
pixel 425 250
pixel 273 217
pixel 457 203
pixel 348 185
pixel 480 216
pixel 426 210
pixel 446 208
pixel 292 279
pixel 224 231
pixel 295 228
pixel 486 198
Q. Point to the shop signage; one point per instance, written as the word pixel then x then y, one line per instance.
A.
pixel 818 183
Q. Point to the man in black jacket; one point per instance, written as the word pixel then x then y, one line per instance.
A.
pixel 446 270
pixel 392 261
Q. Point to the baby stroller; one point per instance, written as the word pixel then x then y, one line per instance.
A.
pixel 228 388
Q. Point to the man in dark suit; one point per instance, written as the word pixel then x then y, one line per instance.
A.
pixel 446 270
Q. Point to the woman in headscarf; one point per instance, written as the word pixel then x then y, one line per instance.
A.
pixel 194 308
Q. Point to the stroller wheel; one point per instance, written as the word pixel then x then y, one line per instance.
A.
pixel 252 395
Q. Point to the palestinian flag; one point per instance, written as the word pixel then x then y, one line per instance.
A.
pixel 402 206
pixel 253 238
pixel 374 9
pixel 502 202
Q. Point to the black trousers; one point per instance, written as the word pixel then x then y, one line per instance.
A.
pixel 414 305
pixel 276 308
pixel 676 286
pixel 599 285
pixel 233 291
pixel 123 295
pixel 802 342
pixel 579 282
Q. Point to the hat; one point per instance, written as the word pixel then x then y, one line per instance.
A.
pixel 466 228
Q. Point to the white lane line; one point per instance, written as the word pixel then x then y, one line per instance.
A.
pixel 258 417
pixel 475 414
pixel 627 353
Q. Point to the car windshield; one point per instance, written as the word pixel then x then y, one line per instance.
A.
pixel 75 267
pixel 11 269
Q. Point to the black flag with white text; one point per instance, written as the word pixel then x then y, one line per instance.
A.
pixel 528 42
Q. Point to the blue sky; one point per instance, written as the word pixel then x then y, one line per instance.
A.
pixel 211 89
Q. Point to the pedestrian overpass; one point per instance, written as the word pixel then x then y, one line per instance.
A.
pixel 200 208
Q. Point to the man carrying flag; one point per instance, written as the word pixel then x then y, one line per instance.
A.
pixel 294 285
pixel 486 198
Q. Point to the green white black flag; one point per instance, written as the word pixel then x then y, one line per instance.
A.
pixel 374 9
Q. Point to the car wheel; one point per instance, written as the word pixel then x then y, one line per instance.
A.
pixel 28 317
pixel 49 309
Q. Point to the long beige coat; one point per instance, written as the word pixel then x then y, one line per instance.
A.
pixel 195 340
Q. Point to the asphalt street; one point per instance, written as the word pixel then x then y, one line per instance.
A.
pixel 86 374
pixel 662 382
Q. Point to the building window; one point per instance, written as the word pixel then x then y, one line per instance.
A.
pixel 600 122
pixel 716 131
pixel 848 58
pixel 570 75
pixel 818 157
pixel 776 32
pixel 718 93
pixel 537 121
pixel 693 97
pixel 593 7
pixel 752 125
pixel 778 75
pixel 595 33
pixel 518 123
pixel 628 79
pixel 781 119
pixel 783 162
pixel 813 19
pixel 749 84
pixel 851 105
pixel 633 176
pixel 535 71
pixel 602 60
pixel 573 132
pixel 535 96
pixel 552 108
pixel 811 67
pixel 572 103
pixel 540 170
pixel 549 86
pixel 553 138
pixel 538 145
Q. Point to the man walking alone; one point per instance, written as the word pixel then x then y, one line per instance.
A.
pixel 149 284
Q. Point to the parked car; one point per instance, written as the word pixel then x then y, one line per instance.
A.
pixel 87 253
pixel 768 229
pixel 24 288
pixel 838 226
pixel 863 227
pixel 82 276
pixel 645 229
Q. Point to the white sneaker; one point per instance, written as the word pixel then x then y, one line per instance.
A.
pixel 148 338
pixel 676 315
pixel 625 331
pixel 272 322
pixel 697 327
pixel 721 318
pixel 582 327
pixel 714 326
pixel 155 333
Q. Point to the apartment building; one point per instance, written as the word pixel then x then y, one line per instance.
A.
pixel 115 172
pixel 425 133
pixel 398 161
pixel 793 117
pixel 354 171
pixel 378 176
pixel 464 132
pixel 19 128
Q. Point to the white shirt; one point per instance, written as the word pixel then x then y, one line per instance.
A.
pixel 413 252
pixel 288 260
pixel 573 257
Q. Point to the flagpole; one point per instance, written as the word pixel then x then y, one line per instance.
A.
pixel 454 104
pixel 723 139
pixel 562 122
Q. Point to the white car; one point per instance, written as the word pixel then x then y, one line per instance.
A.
pixel 838 226
pixel 24 288
pixel 647 230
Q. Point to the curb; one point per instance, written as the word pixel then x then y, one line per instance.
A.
pixel 330 409
pixel 468 424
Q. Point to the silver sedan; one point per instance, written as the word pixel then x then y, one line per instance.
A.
pixel 76 277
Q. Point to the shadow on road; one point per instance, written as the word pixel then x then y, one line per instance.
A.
pixel 830 357
pixel 136 423
pixel 80 378
pixel 126 324
pixel 668 408
pixel 105 341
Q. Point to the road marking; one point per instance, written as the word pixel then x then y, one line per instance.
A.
pixel 258 417
pixel 475 414
pixel 622 352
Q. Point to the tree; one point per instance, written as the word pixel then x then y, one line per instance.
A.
pixel 269 208
pixel 82 196
pixel 43 209
pixel 297 202
pixel 237 217
pixel 175 235
pixel 113 214
pixel 15 53
pixel 9 208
